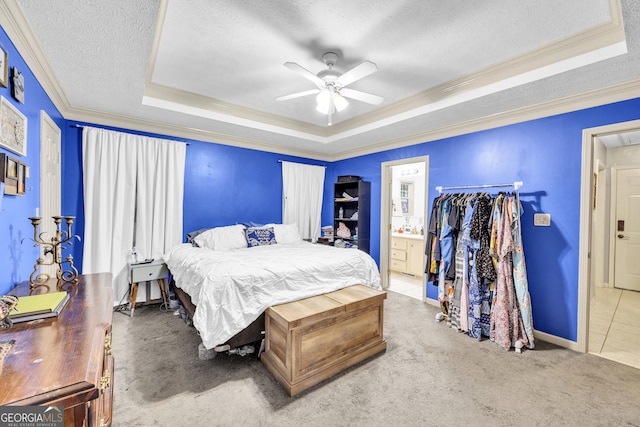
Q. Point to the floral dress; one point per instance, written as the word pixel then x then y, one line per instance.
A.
pixel 506 324
pixel 520 274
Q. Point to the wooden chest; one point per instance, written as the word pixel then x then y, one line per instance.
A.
pixel 310 340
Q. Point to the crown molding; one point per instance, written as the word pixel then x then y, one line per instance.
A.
pixel 602 96
pixel 15 25
pixel 94 117
pixel 166 97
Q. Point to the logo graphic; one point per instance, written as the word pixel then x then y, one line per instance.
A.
pixel 31 416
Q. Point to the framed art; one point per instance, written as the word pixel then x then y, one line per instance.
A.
pixel 17 86
pixel 13 128
pixel 12 174
pixel 4 67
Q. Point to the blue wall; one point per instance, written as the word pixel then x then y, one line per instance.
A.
pixel 224 185
pixel 546 155
pixel 17 256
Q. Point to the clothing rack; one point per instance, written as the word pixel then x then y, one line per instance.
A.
pixel 516 185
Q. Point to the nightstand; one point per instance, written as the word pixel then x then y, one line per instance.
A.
pixel 156 270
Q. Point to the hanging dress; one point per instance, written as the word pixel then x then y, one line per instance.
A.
pixel 467 257
pixel 458 262
pixel 520 273
pixel 506 324
pixel 475 291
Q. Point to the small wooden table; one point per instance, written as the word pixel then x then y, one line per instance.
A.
pixel 145 272
pixel 310 340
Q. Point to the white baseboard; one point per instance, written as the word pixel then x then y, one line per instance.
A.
pixel 562 342
pixel 543 336
pixel 431 301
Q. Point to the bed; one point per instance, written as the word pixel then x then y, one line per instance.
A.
pixel 232 275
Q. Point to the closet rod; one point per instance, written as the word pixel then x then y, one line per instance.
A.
pixel 280 161
pixel 516 185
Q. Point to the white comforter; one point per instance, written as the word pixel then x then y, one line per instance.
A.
pixel 232 288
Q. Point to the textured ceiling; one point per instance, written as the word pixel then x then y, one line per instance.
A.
pixel 214 68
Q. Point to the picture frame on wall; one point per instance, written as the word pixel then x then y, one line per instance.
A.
pixel 13 175
pixel 13 128
pixel 4 67
pixel 17 85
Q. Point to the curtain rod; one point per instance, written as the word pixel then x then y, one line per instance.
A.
pixel 516 185
pixel 75 125
pixel 280 161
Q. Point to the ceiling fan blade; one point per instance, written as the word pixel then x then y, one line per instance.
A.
pixel 356 73
pixel 305 73
pixel 361 96
pixel 298 95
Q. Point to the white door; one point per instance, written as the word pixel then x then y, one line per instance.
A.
pixel 50 193
pixel 627 229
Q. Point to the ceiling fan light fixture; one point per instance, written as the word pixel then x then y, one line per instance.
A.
pixel 340 101
pixel 323 101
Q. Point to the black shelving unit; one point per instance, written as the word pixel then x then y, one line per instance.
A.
pixel 353 197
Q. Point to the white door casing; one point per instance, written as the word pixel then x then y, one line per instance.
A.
pixel 386 211
pixel 626 233
pixel 50 181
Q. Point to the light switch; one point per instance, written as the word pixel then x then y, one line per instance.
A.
pixel 542 220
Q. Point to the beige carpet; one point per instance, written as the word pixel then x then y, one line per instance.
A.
pixel 430 375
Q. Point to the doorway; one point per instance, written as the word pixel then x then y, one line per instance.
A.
pixel 608 319
pixel 404 200
pixel 50 181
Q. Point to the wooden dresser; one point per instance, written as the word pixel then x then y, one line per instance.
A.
pixel 65 360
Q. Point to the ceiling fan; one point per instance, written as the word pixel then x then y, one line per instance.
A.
pixel 331 88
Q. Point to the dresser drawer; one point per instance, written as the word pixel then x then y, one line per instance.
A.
pixel 146 272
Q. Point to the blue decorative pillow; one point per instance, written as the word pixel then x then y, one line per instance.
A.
pixel 260 236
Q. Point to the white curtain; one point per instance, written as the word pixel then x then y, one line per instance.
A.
pixel 302 188
pixel 133 193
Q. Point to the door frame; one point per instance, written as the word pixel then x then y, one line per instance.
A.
pixel 50 136
pixel 386 179
pixel 584 252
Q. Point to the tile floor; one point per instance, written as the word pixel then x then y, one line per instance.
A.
pixel 406 285
pixel 614 325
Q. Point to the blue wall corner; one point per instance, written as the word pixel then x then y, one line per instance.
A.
pixel 17 252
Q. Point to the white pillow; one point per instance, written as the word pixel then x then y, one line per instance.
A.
pixel 286 233
pixel 222 238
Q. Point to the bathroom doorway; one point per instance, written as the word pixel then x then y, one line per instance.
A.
pixel 403 223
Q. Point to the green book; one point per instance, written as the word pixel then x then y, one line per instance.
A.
pixel 44 305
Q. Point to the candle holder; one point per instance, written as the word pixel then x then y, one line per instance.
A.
pixel 53 247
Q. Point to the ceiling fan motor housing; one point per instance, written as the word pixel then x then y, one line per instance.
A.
pixel 329 75
pixel 330 58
